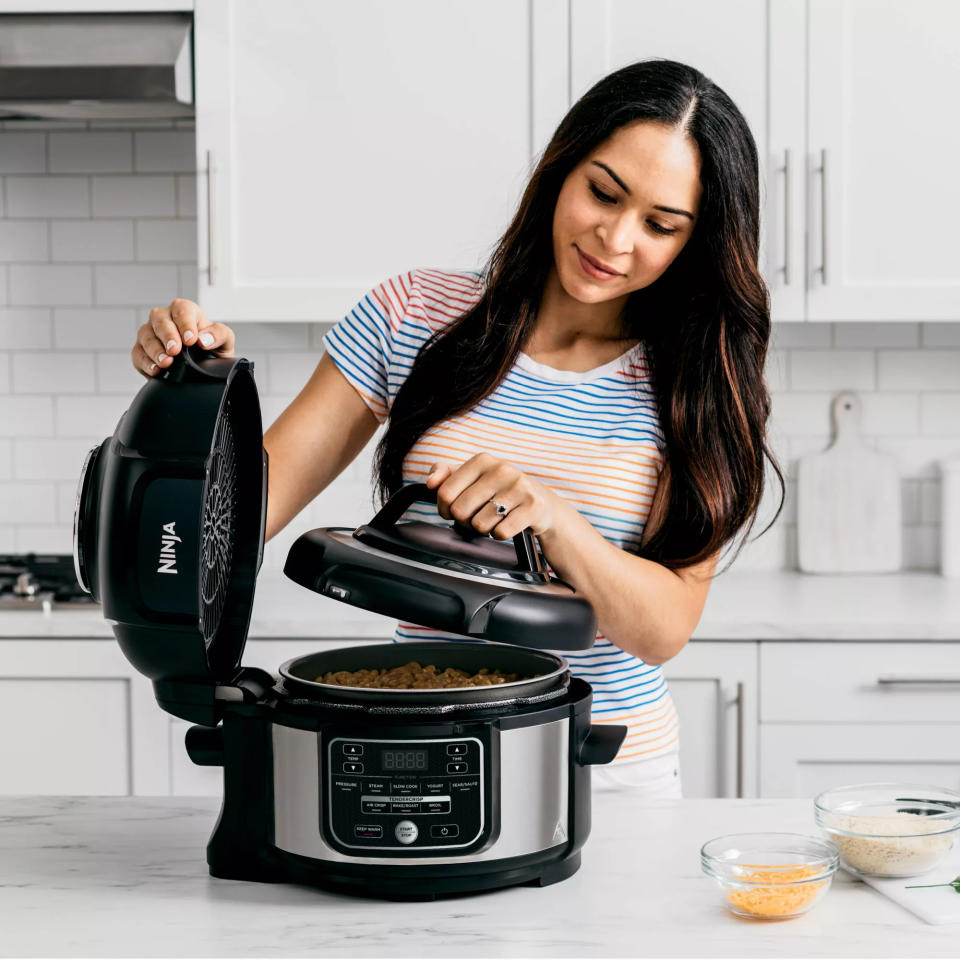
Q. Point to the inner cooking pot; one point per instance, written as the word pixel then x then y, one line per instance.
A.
pixel 548 672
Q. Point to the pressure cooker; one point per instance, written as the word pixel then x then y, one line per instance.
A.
pixel 392 793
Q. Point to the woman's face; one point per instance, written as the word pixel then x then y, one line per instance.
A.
pixel 612 208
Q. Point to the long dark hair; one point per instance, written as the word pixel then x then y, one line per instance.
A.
pixel 705 322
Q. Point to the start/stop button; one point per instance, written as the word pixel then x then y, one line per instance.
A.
pixel 406 831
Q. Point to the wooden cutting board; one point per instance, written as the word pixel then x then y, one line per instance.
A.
pixel 848 502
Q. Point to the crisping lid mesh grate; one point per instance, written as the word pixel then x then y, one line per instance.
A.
pixel 218 525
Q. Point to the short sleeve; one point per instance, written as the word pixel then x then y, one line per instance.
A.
pixel 363 343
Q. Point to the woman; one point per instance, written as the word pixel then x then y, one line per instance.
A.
pixel 601 381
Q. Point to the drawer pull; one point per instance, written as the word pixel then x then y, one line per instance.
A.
pixel 890 679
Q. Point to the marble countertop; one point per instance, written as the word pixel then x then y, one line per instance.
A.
pixel 780 605
pixel 110 877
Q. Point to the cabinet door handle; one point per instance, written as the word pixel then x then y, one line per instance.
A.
pixel 740 739
pixel 889 679
pixel 210 209
pixel 785 269
pixel 822 170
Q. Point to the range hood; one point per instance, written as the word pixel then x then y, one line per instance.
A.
pixel 126 66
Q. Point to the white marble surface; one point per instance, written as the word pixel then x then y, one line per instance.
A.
pixel 781 605
pixel 114 877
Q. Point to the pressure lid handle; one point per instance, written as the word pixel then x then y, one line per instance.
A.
pixel 529 558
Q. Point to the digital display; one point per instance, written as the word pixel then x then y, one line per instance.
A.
pixel 401 760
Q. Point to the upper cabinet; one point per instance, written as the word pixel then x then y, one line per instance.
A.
pixel 341 143
pixel 862 186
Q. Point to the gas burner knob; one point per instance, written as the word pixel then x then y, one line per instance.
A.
pixel 25 586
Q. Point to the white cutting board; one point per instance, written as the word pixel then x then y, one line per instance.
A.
pixel 848 502
pixel 939 905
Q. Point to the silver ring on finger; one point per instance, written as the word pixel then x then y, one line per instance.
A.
pixel 502 509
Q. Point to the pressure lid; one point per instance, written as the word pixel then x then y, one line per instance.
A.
pixel 446 576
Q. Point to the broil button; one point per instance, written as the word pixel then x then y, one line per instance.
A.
pixel 406 831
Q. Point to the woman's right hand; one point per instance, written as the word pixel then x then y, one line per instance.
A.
pixel 162 337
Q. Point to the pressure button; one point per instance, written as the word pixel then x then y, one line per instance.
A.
pixel 406 831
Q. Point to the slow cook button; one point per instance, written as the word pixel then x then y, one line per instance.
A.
pixel 457 768
pixel 406 831
pixel 442 831
pixel 402 788
pixel 368 831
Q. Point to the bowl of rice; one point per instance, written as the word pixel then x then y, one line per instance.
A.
pixel 770 876
pixel 890 829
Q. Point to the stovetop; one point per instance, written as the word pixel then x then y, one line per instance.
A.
pixel 40 581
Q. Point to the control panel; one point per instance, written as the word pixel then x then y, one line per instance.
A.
pixel 405 795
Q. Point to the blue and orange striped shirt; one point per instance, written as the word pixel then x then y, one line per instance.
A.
pixel 592 437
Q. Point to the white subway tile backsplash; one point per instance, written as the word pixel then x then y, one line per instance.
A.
pixel 91 241
pixel 22 416
pixel 47 196
pixel 832 369
pixel 23 241
pixel 52 372
pixel 4 372
pixel 940 334
pixel 921 547
pixel 793 413
pixel 45 538
pixel 290 371
pixel 50 285
pixel 27 502
pixel 918 369
pixel 910 511
pixel 889 414
pixel 91 151
pixel 784 335
pixel 930 501
pixel 22 152
pixel 67 500
pixel 776 372
pixel 134 196
pixel 187 281
pixel 117 374
pixel 89 328
pixel 271 336
pixel 135 284
pixel 25 328
pixel 885 334
pixel 87 416
pixel 918 456
pixel 164 151
pixel 940 413
pixel 8 538
pixel 174 240
pixel 6 454
pixel 186 195
pixel 55 459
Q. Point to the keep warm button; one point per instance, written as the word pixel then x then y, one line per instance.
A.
pixel 442 831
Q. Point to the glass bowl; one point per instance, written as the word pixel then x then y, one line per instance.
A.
pixel 770 876
pixel 890 829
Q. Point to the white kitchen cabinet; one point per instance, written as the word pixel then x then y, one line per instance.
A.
pixel 725 40
pixel 858 94
pixel 714 687
pixel 802 760
pixel 78 719
pixel 342 143
pixel 838 713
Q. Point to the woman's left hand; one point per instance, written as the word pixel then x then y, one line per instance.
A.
pixel 465 493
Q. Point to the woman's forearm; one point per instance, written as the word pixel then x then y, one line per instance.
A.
pixel 641 606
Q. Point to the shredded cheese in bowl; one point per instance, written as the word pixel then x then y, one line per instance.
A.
pixel 770 876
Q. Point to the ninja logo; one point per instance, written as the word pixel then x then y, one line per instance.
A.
pixel 168 550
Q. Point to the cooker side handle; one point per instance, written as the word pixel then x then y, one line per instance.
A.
pixel 601 743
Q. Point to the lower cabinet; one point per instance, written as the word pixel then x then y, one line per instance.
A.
pixel 714 687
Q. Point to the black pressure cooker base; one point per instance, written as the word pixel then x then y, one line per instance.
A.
pixel 278 866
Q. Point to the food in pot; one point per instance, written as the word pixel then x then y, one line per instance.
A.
pixel 412 676
pixel 892 845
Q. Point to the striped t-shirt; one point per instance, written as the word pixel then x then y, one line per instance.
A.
pixel 594 438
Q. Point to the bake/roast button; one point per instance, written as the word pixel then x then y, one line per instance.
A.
pixel 406 831
pixel 442 831
pixel 405 806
